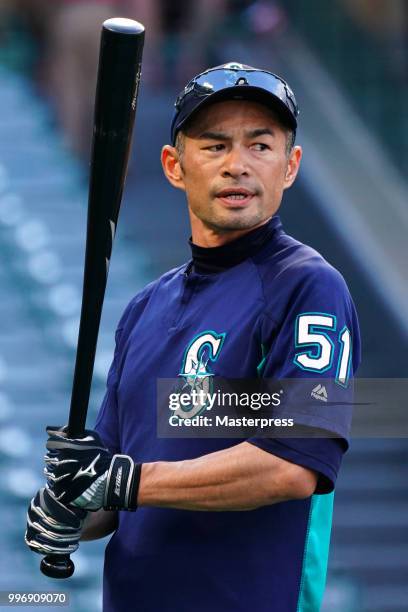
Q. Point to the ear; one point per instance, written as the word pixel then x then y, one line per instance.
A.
pixel 293 166
pixel 172 166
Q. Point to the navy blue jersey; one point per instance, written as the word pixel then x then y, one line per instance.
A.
pixel 282 311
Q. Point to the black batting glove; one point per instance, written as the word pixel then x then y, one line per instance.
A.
pixel 84 473
pixel 51 527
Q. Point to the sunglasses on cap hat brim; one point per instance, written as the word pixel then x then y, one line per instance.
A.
pixel 235 81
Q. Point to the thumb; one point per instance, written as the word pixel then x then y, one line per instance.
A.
pixel 59 430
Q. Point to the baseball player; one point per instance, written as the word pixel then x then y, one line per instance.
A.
pixel 227 525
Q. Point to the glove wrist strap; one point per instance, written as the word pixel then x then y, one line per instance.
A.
pixel 122 484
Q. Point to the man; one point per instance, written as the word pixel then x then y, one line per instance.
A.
pixel 252 301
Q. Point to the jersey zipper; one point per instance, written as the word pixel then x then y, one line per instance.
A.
pixel 189 285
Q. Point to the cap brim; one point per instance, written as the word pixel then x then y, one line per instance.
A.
pixel 243 92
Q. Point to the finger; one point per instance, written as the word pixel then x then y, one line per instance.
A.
pixel 36 516
pixel 59 440
pixel 58 443
pixel 47 502
pixel 56 459
pixel 54 476
pixel 41 545
pixel 70 516
pixel 50 527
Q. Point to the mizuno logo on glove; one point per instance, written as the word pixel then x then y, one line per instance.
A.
pixel 89 471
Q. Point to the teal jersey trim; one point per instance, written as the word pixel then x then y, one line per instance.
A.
pixel 316 554
pixel 261 365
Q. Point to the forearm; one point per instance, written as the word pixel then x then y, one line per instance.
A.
pixel 99 524
pixel 239 478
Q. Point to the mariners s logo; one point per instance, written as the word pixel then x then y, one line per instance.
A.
pixel 196 370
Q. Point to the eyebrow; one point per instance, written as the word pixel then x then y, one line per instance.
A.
pixel 213 136
pixel 208 135
pixel 260 132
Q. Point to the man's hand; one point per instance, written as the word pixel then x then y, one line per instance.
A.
pixel 51 527
pixel 84 473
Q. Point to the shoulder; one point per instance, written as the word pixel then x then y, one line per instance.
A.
pixel 292 266
pixel 137 304
pixel 295 278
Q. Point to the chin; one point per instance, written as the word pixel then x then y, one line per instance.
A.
pixel 236 222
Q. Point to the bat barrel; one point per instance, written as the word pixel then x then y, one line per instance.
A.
pixel 115 106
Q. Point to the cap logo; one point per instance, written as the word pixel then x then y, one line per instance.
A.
pixel 233 66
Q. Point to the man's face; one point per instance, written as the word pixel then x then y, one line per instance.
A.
pixel 234 166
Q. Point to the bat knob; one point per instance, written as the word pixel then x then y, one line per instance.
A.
pixel 57 566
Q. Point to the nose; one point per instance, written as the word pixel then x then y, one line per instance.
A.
pixel 235 163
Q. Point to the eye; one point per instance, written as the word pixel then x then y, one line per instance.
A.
pixel 215 147
pixel 260 146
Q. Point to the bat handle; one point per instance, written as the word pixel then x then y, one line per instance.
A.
pixel 57 566
pixel 61 566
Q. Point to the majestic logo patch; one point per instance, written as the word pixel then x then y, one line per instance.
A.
pixel 196 372
pixel 319 393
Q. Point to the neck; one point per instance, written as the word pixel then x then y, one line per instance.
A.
pixel 204 236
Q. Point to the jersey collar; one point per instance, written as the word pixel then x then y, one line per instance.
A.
pixel 210 260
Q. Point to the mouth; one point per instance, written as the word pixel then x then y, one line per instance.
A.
pixel 235 197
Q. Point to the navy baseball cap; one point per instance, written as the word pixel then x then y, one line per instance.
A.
pixel 234 81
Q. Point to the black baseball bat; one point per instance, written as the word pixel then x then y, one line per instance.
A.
pixel 117 87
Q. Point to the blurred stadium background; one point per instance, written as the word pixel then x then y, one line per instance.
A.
pixel 347 61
